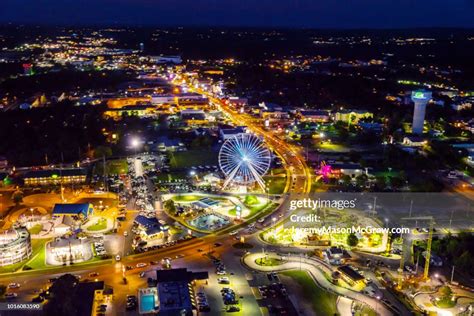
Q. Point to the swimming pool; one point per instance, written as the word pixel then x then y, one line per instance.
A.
pixel 147 303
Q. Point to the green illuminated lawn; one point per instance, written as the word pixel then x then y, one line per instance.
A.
pixel 38 258
pixel 323 302
pixel 190 158
pixel 118 166
pixel 276 185
pixel 35 229
pixel 186 198
pixel 101 224
pixel 269 262
pixel 366 311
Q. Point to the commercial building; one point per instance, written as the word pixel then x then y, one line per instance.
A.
pixel 238 102
pixel 351 276
pixel 150 227
pixel 15 246
pixel 55 177
pixel 348 169
pixel 421 99
pixel 88 296
pixel 131 110
pixel 414 141
pixel 334 255
pixel 64 250
pixel 173 295
pixel 352 116
pixel 319 116
pixel 78 210
pixel 226 133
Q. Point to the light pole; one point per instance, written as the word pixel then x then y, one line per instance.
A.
pixel 452 275
pixel 135 142
pixel 375 204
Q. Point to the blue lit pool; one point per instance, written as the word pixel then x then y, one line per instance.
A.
pixel 147 303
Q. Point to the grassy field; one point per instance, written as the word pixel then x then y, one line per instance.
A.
pixel 101 224
pixel 165 177
pixel 323 302
pixel 269 262
pixel 366 311
pixel 35 229
pixel 276 185
pixel 118 166
pixel 186 198
pixel 38 260
pixel 190 158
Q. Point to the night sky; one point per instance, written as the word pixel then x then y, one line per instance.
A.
pixel 286 13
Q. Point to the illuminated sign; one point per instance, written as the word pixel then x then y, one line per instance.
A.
pixel 419 95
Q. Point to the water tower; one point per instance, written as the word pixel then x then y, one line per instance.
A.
pixel 421 99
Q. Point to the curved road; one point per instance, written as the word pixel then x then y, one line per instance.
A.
pixel 317 270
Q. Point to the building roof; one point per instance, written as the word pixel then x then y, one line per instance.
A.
pixel 348 166
pixel 314 113
pixel 233 131
pixel 173 297
pixel 181 274
pixel 351 273
pixel 55 173
pixel 72 209
pixel 146 221
pixel 151 224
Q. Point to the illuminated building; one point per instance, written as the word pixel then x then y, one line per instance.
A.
pixel 314 116
pixel 238 102
pixel 78 210
pixel 421 99
pixel 131 110
pixel 15 246
pixel 351 276
pixel 352 116
pixel 173 294
pixel 226 133
pixel 65 250
pixel 149 228
pixel 414 141
pixel 55 177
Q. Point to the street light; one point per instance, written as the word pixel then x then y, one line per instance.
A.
pixel 135 143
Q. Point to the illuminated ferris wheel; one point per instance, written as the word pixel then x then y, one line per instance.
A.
pixel 244 159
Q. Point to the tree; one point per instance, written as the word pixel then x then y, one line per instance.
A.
pixel 352 240
pixel 169 206
pixel 17 197
pixel 380 182
pixel 445 291
pixel 102 151
pixel 62 292
pixel 3 289
pixel 346 179
pixel 362 179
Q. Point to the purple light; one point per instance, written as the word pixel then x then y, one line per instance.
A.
pixel 325 171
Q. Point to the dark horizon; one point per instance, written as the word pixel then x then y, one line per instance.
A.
pixel 293 14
